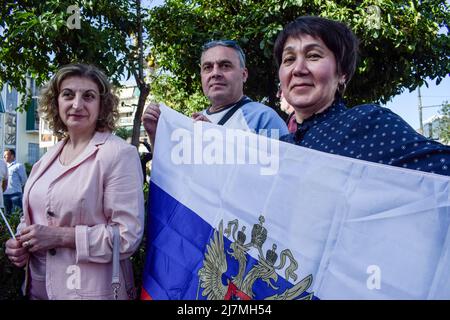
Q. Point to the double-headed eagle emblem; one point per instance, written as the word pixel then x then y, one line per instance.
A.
pixel 241 285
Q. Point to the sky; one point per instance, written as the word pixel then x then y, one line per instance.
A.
pixel 405 104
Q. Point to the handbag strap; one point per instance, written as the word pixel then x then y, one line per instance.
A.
pixel 115 281
pixel 230 112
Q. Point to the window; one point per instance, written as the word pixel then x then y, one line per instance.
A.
pixel 2 107
pixel 33 152
pixel 11 99
pixel 32 116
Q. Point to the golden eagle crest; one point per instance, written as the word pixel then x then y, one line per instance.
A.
pixel 241 286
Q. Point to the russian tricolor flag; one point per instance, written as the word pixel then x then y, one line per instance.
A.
pixel 233 215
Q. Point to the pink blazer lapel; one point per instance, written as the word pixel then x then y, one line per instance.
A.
pixel 98 139
pixel 42 165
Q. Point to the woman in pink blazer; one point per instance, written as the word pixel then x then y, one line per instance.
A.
pixel 81 190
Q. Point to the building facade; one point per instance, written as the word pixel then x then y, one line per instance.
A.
pixel 128 100
pixel 19 128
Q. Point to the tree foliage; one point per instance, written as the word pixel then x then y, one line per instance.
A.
pixel 11 277
pixel 123 132
pixel 401 43
pixel 37 38
pixel 444 124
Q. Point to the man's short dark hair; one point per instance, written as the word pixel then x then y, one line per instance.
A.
pixel 12 152
pixel 229 44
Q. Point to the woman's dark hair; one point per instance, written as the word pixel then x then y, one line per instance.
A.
pixel 336 36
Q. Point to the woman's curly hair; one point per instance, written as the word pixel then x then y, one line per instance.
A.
pixel 48 101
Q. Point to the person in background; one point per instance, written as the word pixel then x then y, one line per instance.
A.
pixel 4 182
pixel 81 195
pixel 145 158
pixel 317 58
pixel 12 197
pixel 289 110
pixel 223 74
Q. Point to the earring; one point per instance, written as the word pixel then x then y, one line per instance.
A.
pixel 341 88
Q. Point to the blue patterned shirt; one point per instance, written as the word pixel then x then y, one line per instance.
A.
pixel 372 133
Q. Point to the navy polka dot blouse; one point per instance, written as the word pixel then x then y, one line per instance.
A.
pixel 372 133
